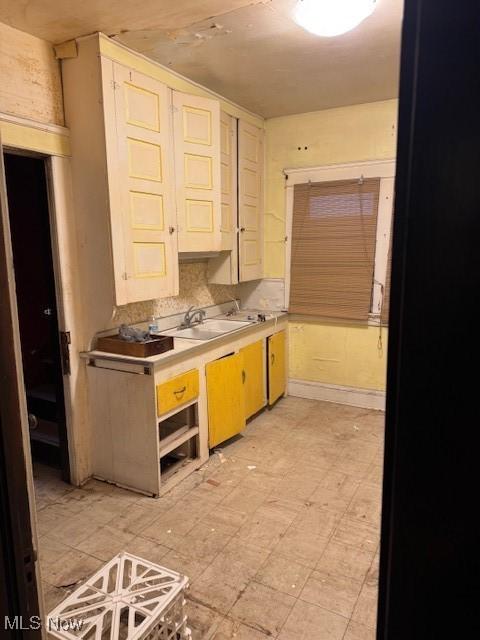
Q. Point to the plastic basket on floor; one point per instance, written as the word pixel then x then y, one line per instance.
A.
pixel 127 599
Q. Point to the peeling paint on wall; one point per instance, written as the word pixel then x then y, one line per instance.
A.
pixel 31 86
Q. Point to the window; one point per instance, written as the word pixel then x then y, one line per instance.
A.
pixel 333 248
pixel 338 238
pixel 385 305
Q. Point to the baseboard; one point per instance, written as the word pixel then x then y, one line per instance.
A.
pixel 366 398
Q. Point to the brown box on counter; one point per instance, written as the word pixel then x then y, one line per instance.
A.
pixel 150 347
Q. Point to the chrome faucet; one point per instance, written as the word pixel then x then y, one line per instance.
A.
pixel 189 317
pixel 233 310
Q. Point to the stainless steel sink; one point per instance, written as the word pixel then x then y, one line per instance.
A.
pixel 208 329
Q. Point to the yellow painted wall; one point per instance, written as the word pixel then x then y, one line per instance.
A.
pixel 345 355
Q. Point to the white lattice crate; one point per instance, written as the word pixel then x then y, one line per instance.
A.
pixel 127 599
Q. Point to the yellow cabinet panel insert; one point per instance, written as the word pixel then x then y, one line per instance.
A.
pixel 177 391
pixel 253 359
pixel 276 367
pixel 225 394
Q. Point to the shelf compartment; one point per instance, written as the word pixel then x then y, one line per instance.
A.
pixel 180 456
pixel 177 429
pixel 175 440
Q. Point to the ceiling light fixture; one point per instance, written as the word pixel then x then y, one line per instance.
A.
pixel 332 17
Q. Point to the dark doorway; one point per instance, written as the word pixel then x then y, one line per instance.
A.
pixel 37 309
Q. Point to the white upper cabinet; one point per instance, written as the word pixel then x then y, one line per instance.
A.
pixel 196 125
pixel 242 163
pixel 123 181
pixel 228 160
pixel 141 185
pixel 223 268
pixel 250 201
pixel 155 172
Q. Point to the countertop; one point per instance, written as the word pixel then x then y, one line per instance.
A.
pixel 183 345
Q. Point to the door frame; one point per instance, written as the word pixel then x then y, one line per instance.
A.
pixel 52 144
pixel 51 195
pixel 18 523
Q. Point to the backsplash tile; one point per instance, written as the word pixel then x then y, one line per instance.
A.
pixel 194 290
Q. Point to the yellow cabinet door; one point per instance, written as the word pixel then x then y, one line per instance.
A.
pixel 196 126
pixel 276 367
pixel 141 184
pixel 228 157
pixel 250 201
pixel 253 359
pixel 225 395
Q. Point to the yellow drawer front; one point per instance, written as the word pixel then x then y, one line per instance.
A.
pixel 177 391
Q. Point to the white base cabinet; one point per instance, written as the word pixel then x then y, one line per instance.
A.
pixel 155 419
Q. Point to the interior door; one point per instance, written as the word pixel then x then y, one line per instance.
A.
pixel 225 396
pixel 142 188
pixel 254 377
pixel 19 582
pixel 276 367
pixel 250 201
pixel 196 123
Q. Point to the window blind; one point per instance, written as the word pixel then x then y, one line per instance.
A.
pixel 386 288
pixel 333 248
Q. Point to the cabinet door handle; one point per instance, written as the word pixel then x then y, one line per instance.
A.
pixel 242 229
pixel 244 376
pixel 179 391
pixel 272 358
pixel 171 230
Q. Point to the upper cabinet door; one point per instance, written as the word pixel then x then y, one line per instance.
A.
pixel 250 201
pixel 228 160
pixel 141 188
pixel 197 172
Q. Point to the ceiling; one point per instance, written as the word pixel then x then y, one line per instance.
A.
pixel 250 51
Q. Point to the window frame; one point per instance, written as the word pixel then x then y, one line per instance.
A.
pixel 383 169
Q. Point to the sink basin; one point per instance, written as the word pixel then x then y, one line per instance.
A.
pixel 208 329
pixel 224 326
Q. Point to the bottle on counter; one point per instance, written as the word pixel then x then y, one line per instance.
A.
pixel 153 326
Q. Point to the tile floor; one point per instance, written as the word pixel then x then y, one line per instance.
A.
pixel 279 533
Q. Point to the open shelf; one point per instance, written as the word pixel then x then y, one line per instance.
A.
pixel 175 440
pixel 178 457
pixel 178 442
pixel 177 429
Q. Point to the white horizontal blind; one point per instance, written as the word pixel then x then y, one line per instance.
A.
pixel 333 248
